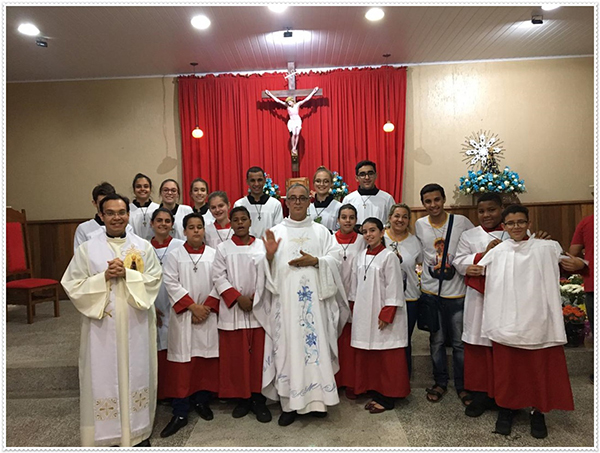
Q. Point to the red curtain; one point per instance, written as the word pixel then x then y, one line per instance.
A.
pixel 339 129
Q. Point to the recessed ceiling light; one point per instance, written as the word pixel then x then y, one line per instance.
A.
pixel 278 8
pixel 29 29
pixel 550 7
pixel 375 14
pixel 201 22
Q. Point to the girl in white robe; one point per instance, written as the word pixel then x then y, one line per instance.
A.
pixel 220 230
pixel 199 195
pixel 193 342
pixel 379 322
pixel 352 244
pixel 324 209
pixel 142 207
pixel 162 223
pixel 170 193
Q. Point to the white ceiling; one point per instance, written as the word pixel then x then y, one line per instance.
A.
pixel 108 41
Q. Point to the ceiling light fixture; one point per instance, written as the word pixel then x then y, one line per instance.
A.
pixel 28 29
pixel 200 22
pixel 550 7
pixel 537 19
pixel 375 14
pixel 197 132
pixel 278 8
pixel 388 126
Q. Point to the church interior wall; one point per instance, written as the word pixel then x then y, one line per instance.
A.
pixel 62 138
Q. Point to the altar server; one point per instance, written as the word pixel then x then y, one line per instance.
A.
pixel 324 209
pixel 142 207
pixel 170 193
pixel 220 230
pixel 199 195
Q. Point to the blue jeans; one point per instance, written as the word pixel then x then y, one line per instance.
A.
pixel 450 315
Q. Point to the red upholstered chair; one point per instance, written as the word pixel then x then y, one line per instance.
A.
pixel 21 287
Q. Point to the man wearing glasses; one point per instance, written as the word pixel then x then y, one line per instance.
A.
pixel 368 200
pixel 113 280
pixel 308 308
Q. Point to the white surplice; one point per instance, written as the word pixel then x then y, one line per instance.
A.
pixel 471 243
pixel 350 251
pixel 263 216
pixel 522 307
pixel 377 205
pixel 304 318
pixel 117 358
pixel 139 219
pixel 187 340
pixel 182 211
pixel 326 215
pixel 214 236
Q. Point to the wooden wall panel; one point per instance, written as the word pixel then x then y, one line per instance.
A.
pixel 52 240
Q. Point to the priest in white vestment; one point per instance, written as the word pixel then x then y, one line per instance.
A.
pixel 113 280
pixel 308 308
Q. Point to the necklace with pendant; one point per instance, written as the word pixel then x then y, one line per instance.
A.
pixel 440 233
pixel 259 211
pixel 368 265
pixel 195 262
pixel 345 249
pixel 144 216
pixel 160 257
pixel 219 234
pixel 365 200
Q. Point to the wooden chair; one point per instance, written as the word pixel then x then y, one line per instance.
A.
pixel 21 287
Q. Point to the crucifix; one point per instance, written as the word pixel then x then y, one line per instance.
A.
pixel 295 122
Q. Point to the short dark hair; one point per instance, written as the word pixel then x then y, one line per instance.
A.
pixel 141 176
pixel 428 188
pixel 104 188
pixel 514 209
pixel 239 209
pixel 161 209
pixel 198 180
pixel 491 196
pixel 192 215
pixel 362 163
pixel 114 196
pixel 254 170
pixel 346 206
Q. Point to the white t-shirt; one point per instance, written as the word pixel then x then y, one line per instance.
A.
pixel 411 253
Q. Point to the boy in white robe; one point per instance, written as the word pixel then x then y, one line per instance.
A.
pixel 368 200
pixel 238 281
pixel 265 211
pixel 193 341
pixel 113 280
pixel 308 309
pixel 522 317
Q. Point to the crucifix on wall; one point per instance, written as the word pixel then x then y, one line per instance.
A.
pixel 295 122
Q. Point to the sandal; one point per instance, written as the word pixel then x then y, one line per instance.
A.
pixel 434 392
pixel 466 399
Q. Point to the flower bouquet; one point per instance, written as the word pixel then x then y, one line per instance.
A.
pixel 339 189
pixel 506 181
pixel 271 189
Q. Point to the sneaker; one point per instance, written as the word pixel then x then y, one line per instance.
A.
pixel 242 409
pixel 538 425
pixel 504 422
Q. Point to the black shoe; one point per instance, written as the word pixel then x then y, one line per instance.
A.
pixel 262 412
pixel 242 409
pixel 475 409
pixel 538 425
pixel 504 422
pixel 144 443
pixel 174 425
pixel 287 418
pixel 318 414
pixel 204 411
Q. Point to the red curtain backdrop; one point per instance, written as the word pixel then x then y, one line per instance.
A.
pixel 339 129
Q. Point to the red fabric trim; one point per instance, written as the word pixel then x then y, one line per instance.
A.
pixel 240 369
pixel 15 248
pixel 537 378
pixel 183 303
pixel 212 303
pixel 156 245
pixel 163 377
pixel 30 283
pixel 478 257
pixel 237 241
pixel 345 377
pixel 351 304
pixel 479 369
pixel 387 314
pixel 185 379
pixel 192 251
pixel 219 227
pixel 375 250
pixel 384 371
pixel 477 283
pixel 229 296
pixel 349 238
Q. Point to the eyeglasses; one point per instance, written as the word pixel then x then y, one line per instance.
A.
pixel 520 223
pixel 364 174
pixel 122 213
pixel 169 191
pixel 301 199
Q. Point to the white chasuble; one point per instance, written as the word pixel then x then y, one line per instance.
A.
pixel 307 312
pixel 471 243
pixel 162 302
pixel 117 359
pixel 377 283
pixel 522 307
pixel 187 340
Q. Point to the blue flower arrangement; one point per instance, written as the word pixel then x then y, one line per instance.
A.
pixel 271 189
pixel 339 188
pixel 506 181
